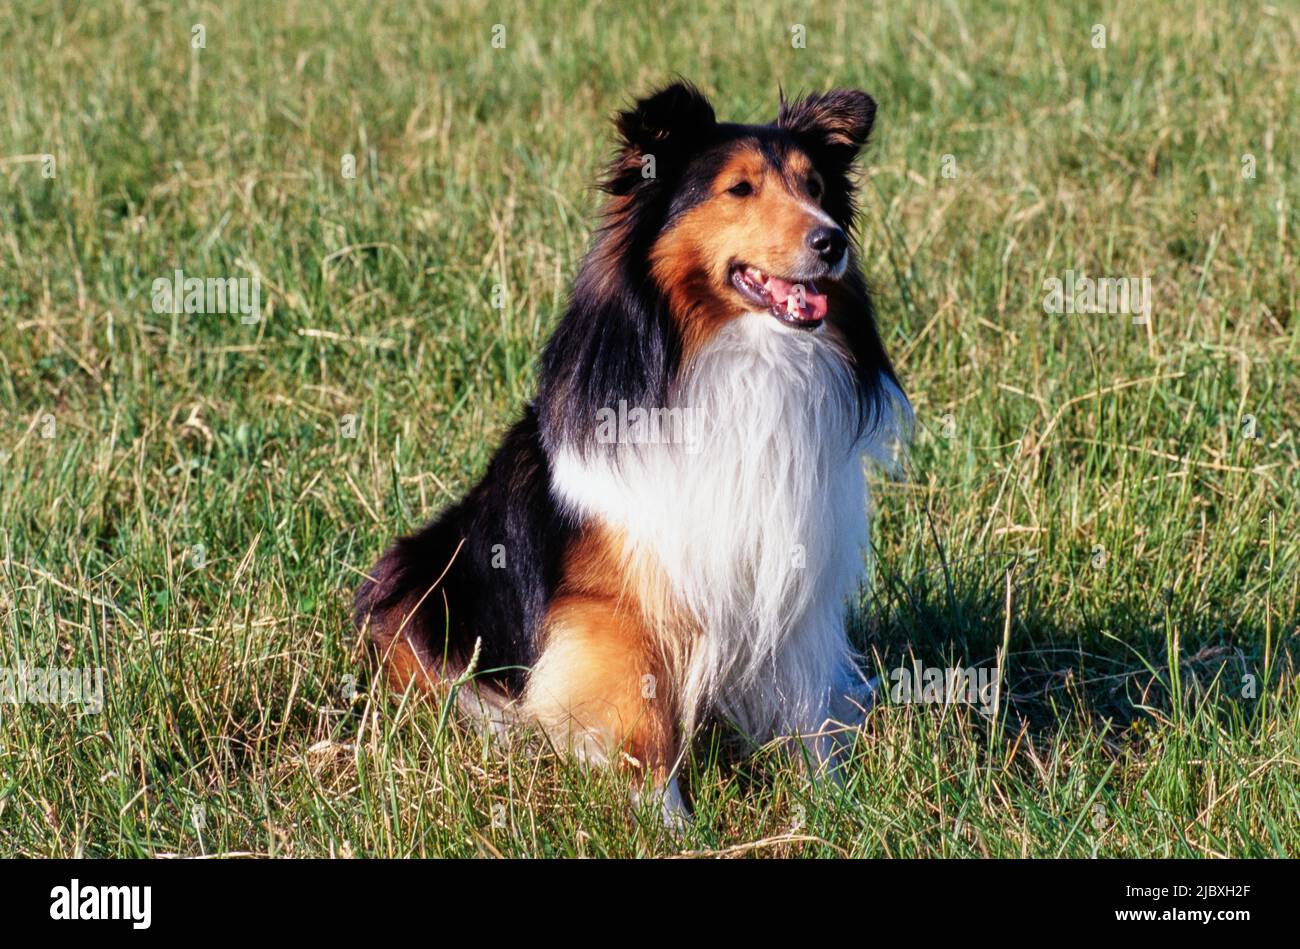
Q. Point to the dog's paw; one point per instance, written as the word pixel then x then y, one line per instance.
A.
pixel 851 706
pixel 667 800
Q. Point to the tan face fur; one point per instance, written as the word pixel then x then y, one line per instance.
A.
pixel 766 228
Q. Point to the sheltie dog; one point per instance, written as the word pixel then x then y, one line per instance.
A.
pixel 676 525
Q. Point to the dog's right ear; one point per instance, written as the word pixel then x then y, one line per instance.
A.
pixel 667 119
pixel 658 134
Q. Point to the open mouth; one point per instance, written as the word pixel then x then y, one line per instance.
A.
pixel 793 303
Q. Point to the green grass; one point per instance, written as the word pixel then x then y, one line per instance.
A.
pixel 133 439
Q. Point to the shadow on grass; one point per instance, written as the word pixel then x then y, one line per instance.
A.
pixel 1146 656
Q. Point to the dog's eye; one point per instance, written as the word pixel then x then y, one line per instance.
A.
pixel 814 188
pixel 741 189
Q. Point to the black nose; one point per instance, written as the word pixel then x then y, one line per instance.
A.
pixel 828 242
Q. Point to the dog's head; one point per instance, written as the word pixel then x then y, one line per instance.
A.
pixel 709 223
pixel 734 218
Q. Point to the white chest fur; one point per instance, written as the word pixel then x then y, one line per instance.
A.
pixel 752 501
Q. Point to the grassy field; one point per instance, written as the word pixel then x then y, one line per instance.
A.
pixel 188 501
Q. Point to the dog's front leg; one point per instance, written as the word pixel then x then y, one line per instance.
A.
pixel 829 735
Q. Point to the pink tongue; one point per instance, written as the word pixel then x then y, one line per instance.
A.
pixel 804 303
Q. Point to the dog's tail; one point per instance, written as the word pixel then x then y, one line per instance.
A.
pixel 396 607
pixel 402 609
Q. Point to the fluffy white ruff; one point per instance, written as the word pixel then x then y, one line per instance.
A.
pixel 759 524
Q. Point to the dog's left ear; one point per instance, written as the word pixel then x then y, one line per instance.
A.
pixel 836 122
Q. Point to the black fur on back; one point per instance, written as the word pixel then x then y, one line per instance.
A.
pixel 499 554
